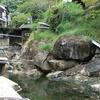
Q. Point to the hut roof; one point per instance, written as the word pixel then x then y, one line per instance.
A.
pixel 26 26
pixel 2 7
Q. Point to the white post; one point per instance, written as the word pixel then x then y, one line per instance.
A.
pixel 67 1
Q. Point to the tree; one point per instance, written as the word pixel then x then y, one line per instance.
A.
pixel 12 4
pixel 34 7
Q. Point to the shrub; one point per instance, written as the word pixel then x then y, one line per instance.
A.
pixel 11 4
pixel 20 19
pixel 46 35
pixel 61 13
pixel 34 7
pixel 46 47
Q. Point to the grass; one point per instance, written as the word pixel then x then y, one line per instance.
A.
pixel 46 36
pixel 46 47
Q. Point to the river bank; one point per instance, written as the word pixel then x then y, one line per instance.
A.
pixel 75 72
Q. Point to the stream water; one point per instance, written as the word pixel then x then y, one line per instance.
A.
pixel 44 89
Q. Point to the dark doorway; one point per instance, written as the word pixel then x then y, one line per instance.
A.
pixel 1 68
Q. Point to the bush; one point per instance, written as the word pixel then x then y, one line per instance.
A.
pixel 20 19
pixel 61 14
pixel 46 47
pixel 46 36
pixel 12 4
pixel 34 7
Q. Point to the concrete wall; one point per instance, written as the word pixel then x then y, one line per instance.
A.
pixel 4 41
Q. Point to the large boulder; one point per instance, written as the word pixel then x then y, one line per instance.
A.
pixel 61 64
pixel 73 48
pixel 92 68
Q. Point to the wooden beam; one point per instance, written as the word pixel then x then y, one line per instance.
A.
pixel 10 35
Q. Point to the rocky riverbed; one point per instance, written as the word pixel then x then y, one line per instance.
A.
pixel 73 60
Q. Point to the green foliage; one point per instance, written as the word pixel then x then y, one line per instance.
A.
pixel 12 4
pixel 75 22
pixel 46 36
pixel 91 24
pixel 63 18
pixel 34 7
pixel 61 14
pixel 20 19
pixel 68 19
pixel 34 26
pixel 74 9
pixel 46 47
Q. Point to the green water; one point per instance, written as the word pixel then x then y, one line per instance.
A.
pixel 44 89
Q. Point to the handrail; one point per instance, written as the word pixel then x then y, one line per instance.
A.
pixel 7 35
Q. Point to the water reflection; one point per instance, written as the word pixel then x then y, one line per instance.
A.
pixel 44 89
